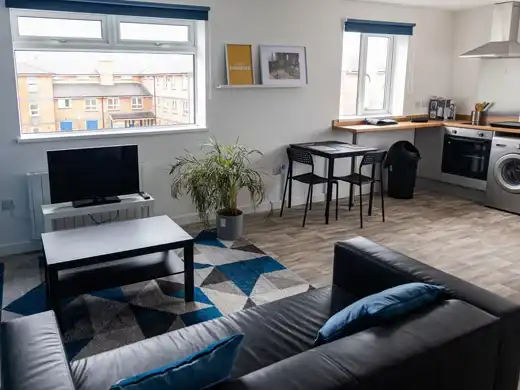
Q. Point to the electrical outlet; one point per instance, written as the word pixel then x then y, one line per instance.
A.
pixel 7 205
pixel 279 170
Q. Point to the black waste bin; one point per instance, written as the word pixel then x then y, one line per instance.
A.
pixel 402 162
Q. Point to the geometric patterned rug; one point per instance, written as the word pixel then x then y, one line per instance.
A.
pixel 229 276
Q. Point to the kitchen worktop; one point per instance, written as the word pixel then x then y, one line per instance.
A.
pixel 408 125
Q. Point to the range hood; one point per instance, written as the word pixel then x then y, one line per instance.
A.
pixel 504 34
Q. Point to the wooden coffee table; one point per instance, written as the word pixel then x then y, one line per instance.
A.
pixel 98 257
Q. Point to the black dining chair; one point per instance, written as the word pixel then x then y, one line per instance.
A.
pixel 373 159
pixel 310 178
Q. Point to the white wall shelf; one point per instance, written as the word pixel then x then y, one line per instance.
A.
pixel 255 86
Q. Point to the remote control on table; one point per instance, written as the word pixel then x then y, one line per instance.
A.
pixel 144 195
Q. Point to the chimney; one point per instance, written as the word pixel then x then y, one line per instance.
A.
pixel 106 72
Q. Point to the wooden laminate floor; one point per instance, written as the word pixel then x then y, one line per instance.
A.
pixel 466 239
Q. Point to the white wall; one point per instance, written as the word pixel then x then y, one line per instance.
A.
pixel 472 28
pixel 265 119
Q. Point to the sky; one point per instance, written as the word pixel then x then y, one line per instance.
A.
pixel 60 62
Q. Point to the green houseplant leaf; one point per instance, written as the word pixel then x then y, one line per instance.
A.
pixel 214 180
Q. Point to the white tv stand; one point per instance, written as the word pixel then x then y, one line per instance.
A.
pixel 52 212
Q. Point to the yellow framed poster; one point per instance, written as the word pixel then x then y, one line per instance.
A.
pixel 239 64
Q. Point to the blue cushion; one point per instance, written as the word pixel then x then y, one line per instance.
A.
pixel 202 369
pixel 378 308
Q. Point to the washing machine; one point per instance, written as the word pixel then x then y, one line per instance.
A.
pixel 503 183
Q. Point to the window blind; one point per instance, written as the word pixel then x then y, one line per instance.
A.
pixel 115 7
pixel 378 27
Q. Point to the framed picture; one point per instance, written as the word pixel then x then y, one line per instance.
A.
pixel 283 65
pixel 239 64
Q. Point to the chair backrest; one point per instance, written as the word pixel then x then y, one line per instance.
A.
pixel 300 156
pixel 372 158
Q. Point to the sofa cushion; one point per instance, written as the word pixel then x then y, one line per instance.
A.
pixel 33 354
pixel 376 309
pixel 273 332
pixel 450 346
pixel 205 368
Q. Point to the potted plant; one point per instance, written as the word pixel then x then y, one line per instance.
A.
pixel 214 180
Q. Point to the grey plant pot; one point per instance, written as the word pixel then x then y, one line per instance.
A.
pixel 230 228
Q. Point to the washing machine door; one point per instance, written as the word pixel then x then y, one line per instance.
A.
pixel 507 172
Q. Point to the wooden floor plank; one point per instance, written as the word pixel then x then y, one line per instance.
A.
pixel 461 237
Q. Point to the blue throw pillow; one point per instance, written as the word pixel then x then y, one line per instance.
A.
pixel 377 308
pixel 202 369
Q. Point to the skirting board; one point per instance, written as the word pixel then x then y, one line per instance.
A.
pixel 20 247
pixel 249 209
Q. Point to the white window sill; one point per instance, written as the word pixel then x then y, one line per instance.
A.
pixel 93 134
pixel 361 117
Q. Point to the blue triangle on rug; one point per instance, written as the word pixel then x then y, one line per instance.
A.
pixel 112 294
pixel 33 302
pixel 176 290
pixel 201 265
pixel 208 237
pixel 245 273
pixel 198 316
pixel 72 348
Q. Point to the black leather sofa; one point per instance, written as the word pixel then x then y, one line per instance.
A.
pixel 471 341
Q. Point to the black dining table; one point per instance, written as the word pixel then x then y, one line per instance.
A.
pixel 332 150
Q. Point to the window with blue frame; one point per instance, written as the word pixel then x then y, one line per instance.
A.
pixel 370 58
pixel 118 51
pixel 66 126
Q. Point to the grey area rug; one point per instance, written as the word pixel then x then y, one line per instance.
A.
pixel 229 277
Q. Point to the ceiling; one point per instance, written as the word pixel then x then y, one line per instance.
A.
pixel 442 4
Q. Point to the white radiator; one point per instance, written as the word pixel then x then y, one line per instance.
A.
pixel 39 194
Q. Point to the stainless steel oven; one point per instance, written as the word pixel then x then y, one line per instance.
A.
pixel 465 157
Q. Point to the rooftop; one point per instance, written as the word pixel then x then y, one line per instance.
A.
pixel 97 90
pixel 89 63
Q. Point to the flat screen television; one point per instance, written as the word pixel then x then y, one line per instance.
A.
pixel 93 176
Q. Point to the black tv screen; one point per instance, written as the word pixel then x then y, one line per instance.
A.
pixel 82 174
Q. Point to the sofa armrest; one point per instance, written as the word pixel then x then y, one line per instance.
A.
pixel 451 347
pixel 33 355
pixel 363 267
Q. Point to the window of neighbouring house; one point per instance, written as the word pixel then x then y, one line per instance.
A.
pixel 185 108
pixel 32 84
pixel 175 110
pixel 137 103
pixel 373 70
pixel 116 64
pixel 91 105
pixel 34 109
pixel 64 103
pixel 113 104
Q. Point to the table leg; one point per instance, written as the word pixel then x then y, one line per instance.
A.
pixel 189 283
pixel 330 177
pixel 352 171
pixel 53 296
pixel 290 173
pixel 372 191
